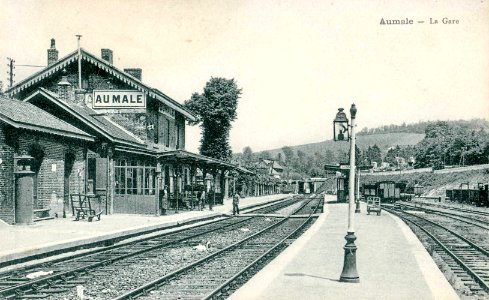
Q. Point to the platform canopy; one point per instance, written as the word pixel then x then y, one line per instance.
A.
pixel 182 156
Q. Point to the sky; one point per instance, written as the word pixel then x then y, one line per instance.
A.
pixel 297 62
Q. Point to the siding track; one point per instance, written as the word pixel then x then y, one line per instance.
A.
pixel 469 261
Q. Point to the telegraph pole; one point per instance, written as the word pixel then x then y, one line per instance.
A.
pixel 10 72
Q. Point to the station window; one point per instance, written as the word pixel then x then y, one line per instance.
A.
pixel 134 177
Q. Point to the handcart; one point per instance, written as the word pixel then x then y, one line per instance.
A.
pixel 373 205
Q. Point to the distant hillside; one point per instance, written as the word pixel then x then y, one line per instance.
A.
pixel 384 141
pixel 420 127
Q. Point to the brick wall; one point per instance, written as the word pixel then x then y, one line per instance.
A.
pixel 50 178
pixel 7 206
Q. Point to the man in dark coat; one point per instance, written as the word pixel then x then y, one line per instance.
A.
pixel 235 204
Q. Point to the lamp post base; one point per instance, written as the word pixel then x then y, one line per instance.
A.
pixel 349 273
pixel 357 207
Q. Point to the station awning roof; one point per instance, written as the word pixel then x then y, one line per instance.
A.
pixel 27 116
pixel 189 157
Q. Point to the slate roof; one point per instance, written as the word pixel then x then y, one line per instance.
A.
pixel 105 66
pixel 99 123
pixel 27 116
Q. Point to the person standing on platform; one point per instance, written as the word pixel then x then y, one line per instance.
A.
pixel 235 204
pixel 202 200
pixel 211 198
pixel 164 202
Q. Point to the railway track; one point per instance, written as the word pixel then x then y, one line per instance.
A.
pixel 64 274
pixel 217 275
pixel 274 206
pixel 458 209
pixel 314 206
pixel 467 260
pixel 8 278
pixel 475 221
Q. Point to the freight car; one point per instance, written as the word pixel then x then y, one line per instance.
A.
pixel 388 191
pixel 464 194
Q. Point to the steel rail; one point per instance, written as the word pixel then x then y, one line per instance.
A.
pixel 108 248
pixel 274 206
pixel 155 284
pixel 50 279
pixel 64 276
pixel 474 275
pixel 72 258
pixel 112 241
pixel 257 206
pixel 224 286
pixel 463 219
pixel 316 197
pixel 486 252
pixel 476 212
pixel 454 216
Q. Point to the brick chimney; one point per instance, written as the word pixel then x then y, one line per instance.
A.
pixel 107 55
pixel 52 53
pixel 134 72
pixel 64 88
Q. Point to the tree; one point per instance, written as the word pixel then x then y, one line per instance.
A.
pixel 452 143
pixel 373 154
pixel 280 158
pixel 248 156
pixel 215 109
pixel 264 155
pixel 289 154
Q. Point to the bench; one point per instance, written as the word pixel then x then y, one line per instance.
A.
pixel 42 214
pixel 82 207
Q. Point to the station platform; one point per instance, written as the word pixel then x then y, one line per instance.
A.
pixel 18 242
pixel 391 263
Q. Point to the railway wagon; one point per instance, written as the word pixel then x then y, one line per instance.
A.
pixel 369 190
pixel 388 191
pixel 416 190
pixel 477 196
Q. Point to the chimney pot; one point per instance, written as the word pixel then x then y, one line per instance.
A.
pixel 64 87
pixel 107 55
pixel 52 53
pixel 134 72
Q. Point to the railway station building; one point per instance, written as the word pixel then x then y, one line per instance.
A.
pixel 126 140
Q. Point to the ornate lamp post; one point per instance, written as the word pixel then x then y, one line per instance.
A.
pixel 340 127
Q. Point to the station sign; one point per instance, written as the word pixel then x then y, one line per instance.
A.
pixel 119 99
